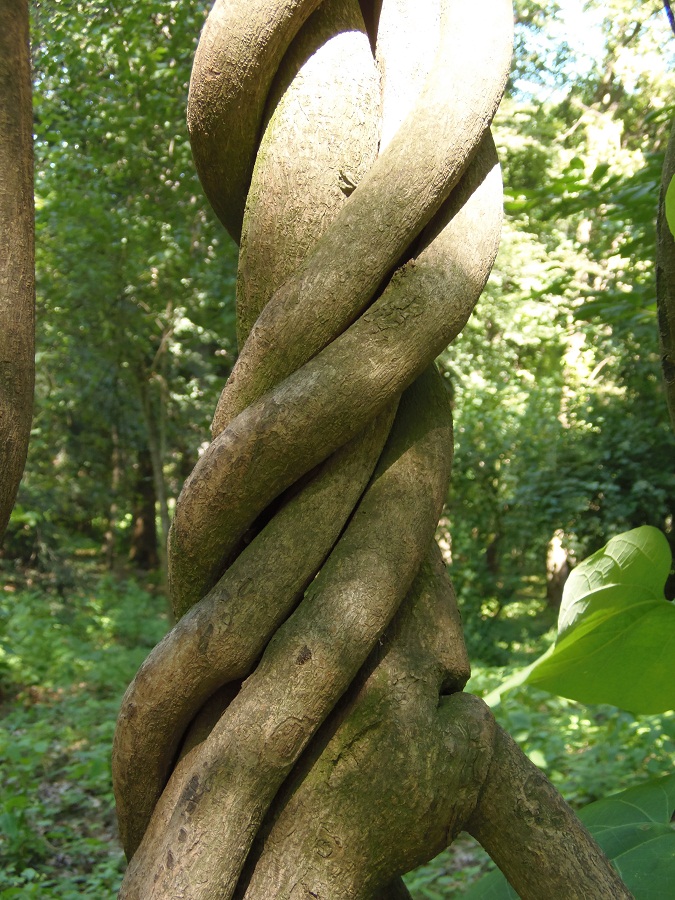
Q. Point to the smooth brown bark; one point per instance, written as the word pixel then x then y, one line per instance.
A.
pixel 398 196
pixel 390 778
pixel 17 251
pixel 281 223
pixel 295 197
pixel 227 96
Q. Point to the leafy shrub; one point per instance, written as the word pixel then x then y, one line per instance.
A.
pixel 65 662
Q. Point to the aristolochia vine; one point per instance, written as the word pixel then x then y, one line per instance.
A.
pixel 302 731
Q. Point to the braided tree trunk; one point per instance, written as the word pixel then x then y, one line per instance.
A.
pixel 301 732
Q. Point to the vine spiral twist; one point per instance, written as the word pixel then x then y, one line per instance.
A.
pixel 314 676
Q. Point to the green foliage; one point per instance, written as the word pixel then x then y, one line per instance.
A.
pixel 587 751
pixel 450 873
pixel 64 662
pixel 66 657
pixel 634 829
pixel 560 419
pixel 135 278
pixel 615 629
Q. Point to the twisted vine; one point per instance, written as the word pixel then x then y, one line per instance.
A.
pixel 301 731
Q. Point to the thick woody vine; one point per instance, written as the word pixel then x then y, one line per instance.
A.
pixel 302 731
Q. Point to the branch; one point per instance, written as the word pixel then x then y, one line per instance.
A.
pixel 556 855
pixel 669 14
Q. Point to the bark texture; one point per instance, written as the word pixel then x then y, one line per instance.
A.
pixel 302 731
pixel 665 282
pixel 556 856
pixel 17 251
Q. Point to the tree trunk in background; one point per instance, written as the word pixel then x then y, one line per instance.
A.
pixel 492 556
pixel 154 414
pixel 557 570
pixel 110 537
pixel 17 252
pixel 143 550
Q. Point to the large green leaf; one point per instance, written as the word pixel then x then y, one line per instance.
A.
pixel 492 886
pixel 616 630
pixel 670 206
pixel 650 803
pixel 634 830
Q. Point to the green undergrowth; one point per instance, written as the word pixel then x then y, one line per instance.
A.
pixel 65 659
pixel 68 648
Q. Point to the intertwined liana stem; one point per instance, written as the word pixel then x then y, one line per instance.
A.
pixel 361 394
pixel 394 201
pixel 301 731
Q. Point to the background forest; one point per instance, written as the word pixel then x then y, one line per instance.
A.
pixel 561 426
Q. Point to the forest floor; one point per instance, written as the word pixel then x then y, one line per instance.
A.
pixel 71 641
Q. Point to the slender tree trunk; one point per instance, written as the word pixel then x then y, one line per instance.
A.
pixel 17 254
pixel 154 413
pixel 110 537
pixel 143 550
pixel 557 570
